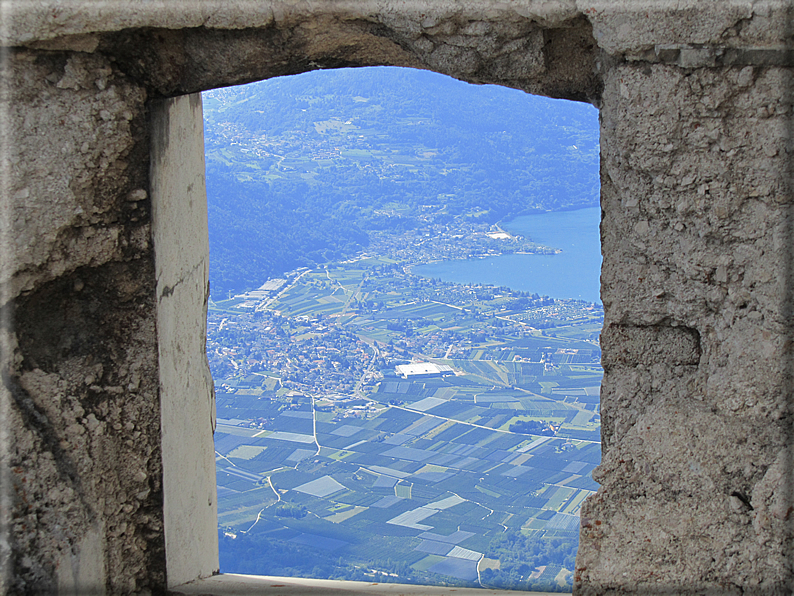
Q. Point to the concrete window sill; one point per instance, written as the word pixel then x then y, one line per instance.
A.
pixel 245 585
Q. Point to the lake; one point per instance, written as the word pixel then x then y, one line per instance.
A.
pixel 573 273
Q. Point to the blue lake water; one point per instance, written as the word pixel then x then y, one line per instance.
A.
pixel 573 273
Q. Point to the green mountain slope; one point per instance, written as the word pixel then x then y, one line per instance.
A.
pixel 300 169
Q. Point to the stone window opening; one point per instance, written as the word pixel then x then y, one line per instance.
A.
pixel 695 108
pixel 540 106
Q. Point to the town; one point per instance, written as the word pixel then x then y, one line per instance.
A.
pixel 326 351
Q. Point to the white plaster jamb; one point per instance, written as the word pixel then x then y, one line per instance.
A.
pixel 181 245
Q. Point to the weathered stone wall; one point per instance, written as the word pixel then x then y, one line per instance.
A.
pixel 696 286
pixel 82 470
pixel 697 239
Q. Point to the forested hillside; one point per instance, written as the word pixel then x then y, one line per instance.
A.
pixel 300 169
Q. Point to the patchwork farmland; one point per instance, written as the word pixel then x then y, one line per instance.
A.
pixel 323 449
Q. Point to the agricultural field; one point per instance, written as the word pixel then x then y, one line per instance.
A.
pixel 321 447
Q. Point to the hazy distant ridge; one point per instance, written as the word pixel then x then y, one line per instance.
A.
pixel 300 168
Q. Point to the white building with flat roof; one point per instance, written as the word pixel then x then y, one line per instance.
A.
pixel 423 369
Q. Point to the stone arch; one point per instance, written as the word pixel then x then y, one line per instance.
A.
pixel 556 58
